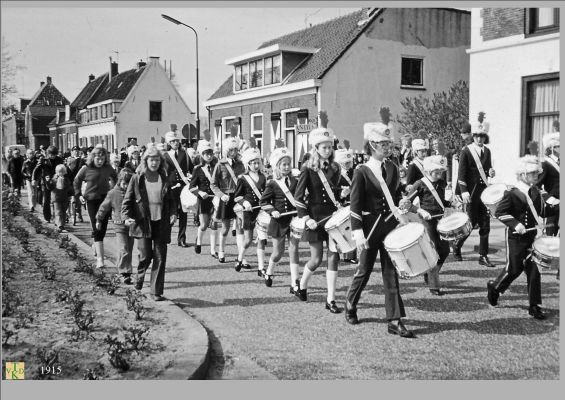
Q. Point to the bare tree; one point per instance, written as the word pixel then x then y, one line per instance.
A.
pixel 8 76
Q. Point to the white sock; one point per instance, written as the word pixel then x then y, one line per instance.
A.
pixel 270 267
pixel 331 279
pixel 240 249
pixel 260 259
pixel 294 275
pixel 212 242
pixel 199 236
pixel 306 274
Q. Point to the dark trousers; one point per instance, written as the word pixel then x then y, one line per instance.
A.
pixel 182 217
pixel 152 249
pixel 478 215
pixel 441 246
pixel 92 208
pixel 393 302
pixel 46 204
pixel 552 225
pixel 516 253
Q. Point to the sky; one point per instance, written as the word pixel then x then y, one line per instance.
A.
pixel 68 44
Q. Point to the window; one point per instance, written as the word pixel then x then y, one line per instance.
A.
pixel 154 111
pixel 238 77
pixel 540 21
pixel 273 69
pixel 412 73
pixel 540 107
pixel 109 106
pixel 228 124
pixel 257 130
pixel 257 73
pixel 244 76
pixel 103 111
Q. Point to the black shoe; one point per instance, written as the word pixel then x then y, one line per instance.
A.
pixel 157 297
pixel 301 294
pixel 197 249
pixel 246 266
pixel 483 260
pixel 182 244
pixel 74 221
pixel 222 259
pixel 292 291
pixel 535 311
pixel 426 279
pixel 437 292
pixel 215 255
pixel 261 273
pixel 237 266
pixel 269 280
pixel 351 316
pixel 126 279
pixel 457 255
pixel 334 309
pixel 32 209
pixel 492 294
pixel 233 232
pixel 399 330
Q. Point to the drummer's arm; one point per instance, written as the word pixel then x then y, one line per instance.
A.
pixel 214 184
pixel 266 198
pixel 550 205
pixel 411 196
pixel 300 194
pixel 356 206
pixel 462 172
pixel 193 184
pixel 503 211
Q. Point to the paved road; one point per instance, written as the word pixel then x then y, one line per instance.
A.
pixel 265 333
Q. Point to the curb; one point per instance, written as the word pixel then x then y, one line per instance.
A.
pixel 193 355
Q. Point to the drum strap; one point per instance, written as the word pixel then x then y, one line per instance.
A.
pixel 344 174
pixel 553 163
pixel 433 190
pixel 327 186
pixel 177 166
pixel 286 192
pixel 206 172
pixel 419 164
pixel 230 170
pixel 473 152
pixel 533 210
pixel 384 188
pixel 253 185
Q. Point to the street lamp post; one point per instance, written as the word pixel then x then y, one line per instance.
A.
pixel 177 22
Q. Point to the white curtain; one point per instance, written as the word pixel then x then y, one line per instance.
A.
pixel 544 98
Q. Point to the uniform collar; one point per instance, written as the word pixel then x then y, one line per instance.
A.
pixel 374 162
pixel 523 187
pixel 552 156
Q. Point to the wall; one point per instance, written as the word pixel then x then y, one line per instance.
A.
pixel 133 118
pixel 496 88
pixel 368 74
pixel 501 22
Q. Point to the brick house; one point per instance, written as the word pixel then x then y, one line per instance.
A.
pixel 113 108
pixel 514 78
pixel 13 127
pixel 349 66
pixel 40 111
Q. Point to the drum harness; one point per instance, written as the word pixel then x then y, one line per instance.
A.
pixel 179 170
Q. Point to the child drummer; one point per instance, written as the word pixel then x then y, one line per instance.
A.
pixel 431 191
pixel 521 209
pixel 250 187
pixel 345 159
pixel 278 199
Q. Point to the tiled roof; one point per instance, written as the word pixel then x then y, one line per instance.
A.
pixel 332 38
pixel 89 91
pixel 48 93
pixel 119 87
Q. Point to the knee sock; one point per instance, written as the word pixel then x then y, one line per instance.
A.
pixel 222 245
pixel 260 258
pixel 212 242
pixel 271 267
pixel 293 274
pixel 240 248
pixel 199 236
pixel 331 279
pixel 306 274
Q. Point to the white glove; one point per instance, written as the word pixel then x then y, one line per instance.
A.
pixel 345 192
pixel 491 173
pixel 466 197
pixel 225 198
pixel 311 224
pixel 247 206
pixel 275 214
pixel 404 204
pixel 424 214
pixel 360 240
pixel 203 195
pixel 173 219
pixel 520 229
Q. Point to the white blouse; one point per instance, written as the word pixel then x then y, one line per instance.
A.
pixel 154 196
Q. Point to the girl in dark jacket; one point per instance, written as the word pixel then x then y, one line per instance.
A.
pixel 148 208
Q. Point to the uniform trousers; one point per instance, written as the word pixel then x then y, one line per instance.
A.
pixel 442 248
pixel 182 217
pixel 393 302
pixel 478 215
pixel 517 251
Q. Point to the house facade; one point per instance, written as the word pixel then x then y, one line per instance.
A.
pixel 13 129
pixel 39 113
pixel 514 78
pixel 139 103
pixel 349 67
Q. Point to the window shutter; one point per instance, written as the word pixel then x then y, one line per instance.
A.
pixel 276 116
pixel 218 122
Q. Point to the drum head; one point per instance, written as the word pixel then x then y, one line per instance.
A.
pixel 264 217
pixel 493 193
pixel 547 245
pixel 404 236
pixel 338 218
pixel 454 221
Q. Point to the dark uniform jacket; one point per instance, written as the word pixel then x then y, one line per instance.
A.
pixel 514 209
pixel 427 200
pixel 244 192
pixel 185 165
pixel 468 177
pixel 317 203
pixel 199 181
pixel 45 169
pixel 346 182
pixel 367 196
pixel 274 199
pixel 136 206
pixel 222 182
pixel 413 173
pixel 549 179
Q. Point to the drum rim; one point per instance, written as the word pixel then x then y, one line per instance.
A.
pixel 408 245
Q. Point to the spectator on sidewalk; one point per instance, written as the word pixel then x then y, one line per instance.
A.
pixel 149 208
pixel 99 177
pixel 27 171
pixel 62 189
pixel 113 204
pixel 74 163
pixel 133 158
pixel 15 165
pixel 42 174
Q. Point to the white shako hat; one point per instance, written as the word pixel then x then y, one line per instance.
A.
pixel 343 155
pixel 278 154
pixel 551 139
pixel 528 163
pixel 376 132
pixel 250 154
pixel 419 144
pixel 170 136
pixel 228 144
pixel 434 163
pixel 203 145
pixel 320 135
pixel 131 150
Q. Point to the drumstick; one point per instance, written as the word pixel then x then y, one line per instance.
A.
pixel 288 213
pixel 438 215
pixel 373 228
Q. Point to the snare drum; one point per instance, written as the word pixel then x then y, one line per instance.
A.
pixel 188 200
pixel 545 253
pixel 339 229
pixel 263 220
pixel 454 227
pixel 297 226
pixel 492 195
pixel 411 250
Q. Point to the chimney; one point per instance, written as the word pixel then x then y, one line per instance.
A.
pixel 91 78
pixel 141 64
pixel 114 69
pixel 154 60
pixel 41 84
pixel 67 112
pixel 49 80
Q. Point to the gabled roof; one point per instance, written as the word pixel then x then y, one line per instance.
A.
pixel 332 38
pixel 48 92
pixel 43 111
pixel 89 91
pixel 119 87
